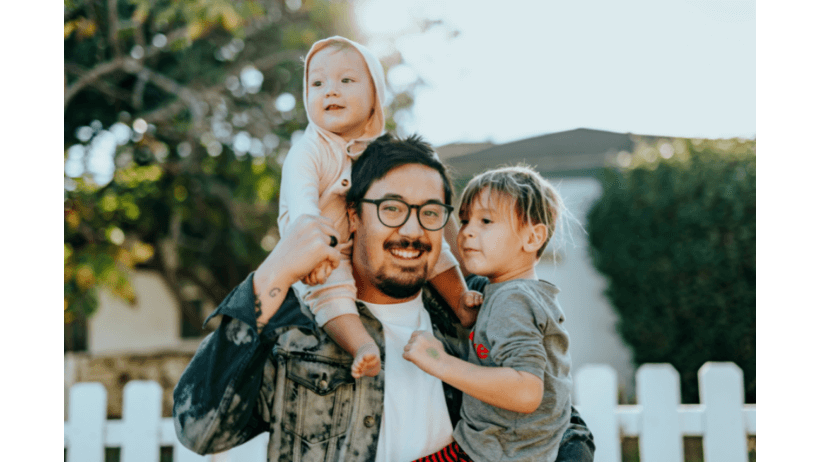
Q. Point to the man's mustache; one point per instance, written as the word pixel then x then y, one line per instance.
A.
pixel 408 244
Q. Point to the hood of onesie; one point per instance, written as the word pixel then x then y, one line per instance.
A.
pixel 375 126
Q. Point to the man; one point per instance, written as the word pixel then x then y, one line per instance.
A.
pixel 288 378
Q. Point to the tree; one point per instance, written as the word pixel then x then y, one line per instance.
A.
pixel 674 234
pixel 178 115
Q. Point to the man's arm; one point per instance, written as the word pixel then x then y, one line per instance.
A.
pixel 577 444
pixel 217 402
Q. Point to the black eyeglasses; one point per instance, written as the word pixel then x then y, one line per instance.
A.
pixel 393 213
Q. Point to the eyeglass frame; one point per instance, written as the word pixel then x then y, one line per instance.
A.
pixel 378 202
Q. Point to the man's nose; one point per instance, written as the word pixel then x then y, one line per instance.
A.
pixel 412 227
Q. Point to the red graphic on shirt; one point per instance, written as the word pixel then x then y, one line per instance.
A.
pixel 480 349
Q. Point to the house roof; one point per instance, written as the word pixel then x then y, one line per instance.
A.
pixel 460 149
pixel 578 152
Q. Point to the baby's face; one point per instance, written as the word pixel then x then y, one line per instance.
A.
pixel 340 92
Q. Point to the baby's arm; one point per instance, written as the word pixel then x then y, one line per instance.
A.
pixel 502 387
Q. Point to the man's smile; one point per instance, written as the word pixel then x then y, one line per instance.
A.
pixel 406 250
pixel 406 254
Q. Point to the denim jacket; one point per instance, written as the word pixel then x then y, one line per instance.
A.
pixel 294 382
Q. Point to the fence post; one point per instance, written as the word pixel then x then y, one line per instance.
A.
pixel 86 422
pixel 596 388
pixel 721 394
pixel 658 387
pixel 141 412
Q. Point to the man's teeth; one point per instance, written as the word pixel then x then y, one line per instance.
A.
pixel 405 253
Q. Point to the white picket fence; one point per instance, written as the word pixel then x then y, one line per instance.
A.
pixel 659 421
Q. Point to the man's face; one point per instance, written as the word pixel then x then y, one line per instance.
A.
pixel 391 264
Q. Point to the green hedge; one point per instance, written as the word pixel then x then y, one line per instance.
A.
pixel 675 239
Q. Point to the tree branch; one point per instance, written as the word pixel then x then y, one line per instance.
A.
pixel 113 27
pixel 90 77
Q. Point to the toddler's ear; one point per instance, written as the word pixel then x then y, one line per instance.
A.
pixel 535 236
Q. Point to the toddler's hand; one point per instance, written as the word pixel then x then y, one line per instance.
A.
pixel 469 303
pixel 425 351
pixel 319 274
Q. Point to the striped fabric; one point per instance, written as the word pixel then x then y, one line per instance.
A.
pixel 450 453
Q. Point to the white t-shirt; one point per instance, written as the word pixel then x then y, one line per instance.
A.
pixel 415 421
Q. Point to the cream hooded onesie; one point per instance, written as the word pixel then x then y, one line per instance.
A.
pixel 315 181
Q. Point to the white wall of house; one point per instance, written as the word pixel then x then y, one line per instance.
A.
pixel 590 319
pixel 151 325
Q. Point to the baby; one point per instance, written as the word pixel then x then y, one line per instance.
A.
pixel 516 380
pixel 343 95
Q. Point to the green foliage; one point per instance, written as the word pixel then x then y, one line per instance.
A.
pixel 676 240
pixel 174 141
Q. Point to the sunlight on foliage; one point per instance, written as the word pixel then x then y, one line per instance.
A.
pixel 177 119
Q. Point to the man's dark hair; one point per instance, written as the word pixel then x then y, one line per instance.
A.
pixel 386 153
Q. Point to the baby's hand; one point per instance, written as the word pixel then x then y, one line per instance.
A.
pixel 319 274
pixel 469 304
pixel 425 351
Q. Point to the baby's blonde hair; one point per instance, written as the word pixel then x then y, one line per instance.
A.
pixel 535 200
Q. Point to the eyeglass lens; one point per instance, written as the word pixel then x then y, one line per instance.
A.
pixel 394 213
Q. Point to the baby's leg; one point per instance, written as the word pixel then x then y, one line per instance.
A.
pixel 334 306
pixel 349 333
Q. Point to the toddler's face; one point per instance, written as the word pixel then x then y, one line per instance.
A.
pixel 489 240
pixel 340 92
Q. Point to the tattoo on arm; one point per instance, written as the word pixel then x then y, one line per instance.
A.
pixel 257 307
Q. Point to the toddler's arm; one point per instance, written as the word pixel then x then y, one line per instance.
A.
pixel 502 387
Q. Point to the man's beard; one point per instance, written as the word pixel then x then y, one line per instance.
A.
pixel 410 280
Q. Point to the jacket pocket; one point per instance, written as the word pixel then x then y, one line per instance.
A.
pixel 318 398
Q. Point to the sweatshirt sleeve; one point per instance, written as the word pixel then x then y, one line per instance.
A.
pixel 217 401
pixel 299 192
pixel 516 332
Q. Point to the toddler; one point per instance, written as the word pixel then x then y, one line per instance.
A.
pixel 516 379
pixel 343 96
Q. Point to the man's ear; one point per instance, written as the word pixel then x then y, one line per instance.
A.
pixel 352 219
pixel 535 236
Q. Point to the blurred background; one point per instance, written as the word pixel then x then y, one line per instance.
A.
pixel 178 115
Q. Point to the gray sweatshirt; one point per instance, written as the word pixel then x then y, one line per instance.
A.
pixel 520 326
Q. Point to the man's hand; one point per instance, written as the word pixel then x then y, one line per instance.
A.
pixel 468 305
pixel 425 351
pixel 306 245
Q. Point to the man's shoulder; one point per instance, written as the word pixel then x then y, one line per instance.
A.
pixel 477 283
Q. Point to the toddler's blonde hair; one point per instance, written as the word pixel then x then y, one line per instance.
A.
pixel 534 199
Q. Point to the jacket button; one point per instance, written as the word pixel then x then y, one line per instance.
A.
pixel 323 384
pixel 369 421
pixel 345 182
